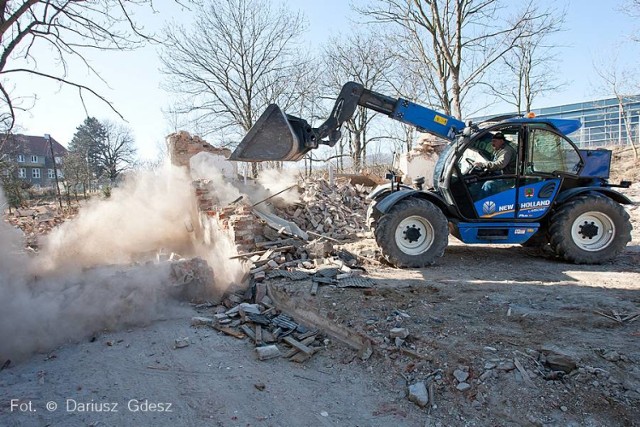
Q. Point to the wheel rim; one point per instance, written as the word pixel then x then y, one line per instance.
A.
pixel 593 231
pixel 414 235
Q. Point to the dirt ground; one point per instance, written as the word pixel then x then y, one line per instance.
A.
pixel 491 332
pixel 470 312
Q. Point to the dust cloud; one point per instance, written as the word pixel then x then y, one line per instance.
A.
pixel 227 189
pixel 97 271
pixel 148 212
pixel 274 181
pixel 269 182
pixel 86 279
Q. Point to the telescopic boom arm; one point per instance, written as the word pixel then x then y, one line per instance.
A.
pixel 279 136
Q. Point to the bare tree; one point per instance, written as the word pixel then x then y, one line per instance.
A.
pixel 117 152
pixel 67 29
pixel 528 70
pixel 452 43
pixel 624 86
pixel 11 184
pixel 365 59
pixel 236 58
pixel 632 8
pixel 76 175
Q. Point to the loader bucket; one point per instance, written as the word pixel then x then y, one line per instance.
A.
pixel 273 137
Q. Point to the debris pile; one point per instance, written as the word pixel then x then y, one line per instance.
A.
pixel 39 220
pixel 337 211
pixel 297 260
pixel 273 332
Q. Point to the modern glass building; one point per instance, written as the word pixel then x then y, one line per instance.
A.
pixel 604 122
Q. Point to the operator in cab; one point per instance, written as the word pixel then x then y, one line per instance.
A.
pixel 504 157
pixel 503 163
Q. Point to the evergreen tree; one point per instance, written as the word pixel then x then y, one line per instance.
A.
pixel 87 142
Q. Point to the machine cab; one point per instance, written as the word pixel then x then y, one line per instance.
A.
pixel 524 190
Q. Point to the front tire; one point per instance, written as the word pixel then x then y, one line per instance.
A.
pixel 589 229
pixel 414 233
pixel 372 214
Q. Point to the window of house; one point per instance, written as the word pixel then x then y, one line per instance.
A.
pixel 50 174
pixel 20 158
pixel 35 173
pixel 34 159
pixel 60 174
pixel 22 173
pixel 58 160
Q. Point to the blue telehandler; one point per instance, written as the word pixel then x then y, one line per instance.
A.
pixel 556 195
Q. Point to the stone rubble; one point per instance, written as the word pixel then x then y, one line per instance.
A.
pixel 39 220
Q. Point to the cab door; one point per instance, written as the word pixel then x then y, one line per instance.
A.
pixel 475 198
pixel 549 157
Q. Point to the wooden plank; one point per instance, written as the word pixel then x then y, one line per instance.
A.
pixel 229 331
pixel 303 357
pixel 248 254
pixel 524 373
pixel 281 243
pixel 306 335
pixel 262 252
pixel 307 341
pixel 265 256
pixel 297 344
pixel 258 339
pixel 247 330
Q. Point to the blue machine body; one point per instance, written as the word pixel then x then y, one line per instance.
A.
pixel 511 216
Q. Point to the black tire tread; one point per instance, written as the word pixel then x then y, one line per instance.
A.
pixel 385 234
pixel 562 220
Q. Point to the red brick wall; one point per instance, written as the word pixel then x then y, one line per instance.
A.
pixel 182 146
pixel 238 220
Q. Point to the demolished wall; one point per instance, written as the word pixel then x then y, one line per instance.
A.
pixel 421 161
pixel 214 214
pixel 182 146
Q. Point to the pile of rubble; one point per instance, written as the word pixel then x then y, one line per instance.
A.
pixel 296 259
pixel 337 211
pixel 273 332
pixel 295 238
pixel 259 314
pixel 39 220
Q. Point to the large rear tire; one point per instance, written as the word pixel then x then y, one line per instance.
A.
pixel 372 214
pixel 589 229
pixel 414 233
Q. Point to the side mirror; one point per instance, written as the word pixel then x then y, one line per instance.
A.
pixel 467 129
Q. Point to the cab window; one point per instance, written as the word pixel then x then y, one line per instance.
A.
pixel 551 153
pixel 482 151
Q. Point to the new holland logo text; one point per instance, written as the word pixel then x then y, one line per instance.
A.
pixel 537 204
pixel 523 206
pixel 488 207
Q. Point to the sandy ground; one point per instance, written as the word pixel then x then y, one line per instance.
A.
pixel 496 314
pixel 216 380
pixel 476 310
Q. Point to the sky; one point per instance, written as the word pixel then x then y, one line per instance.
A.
pixel 593 30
